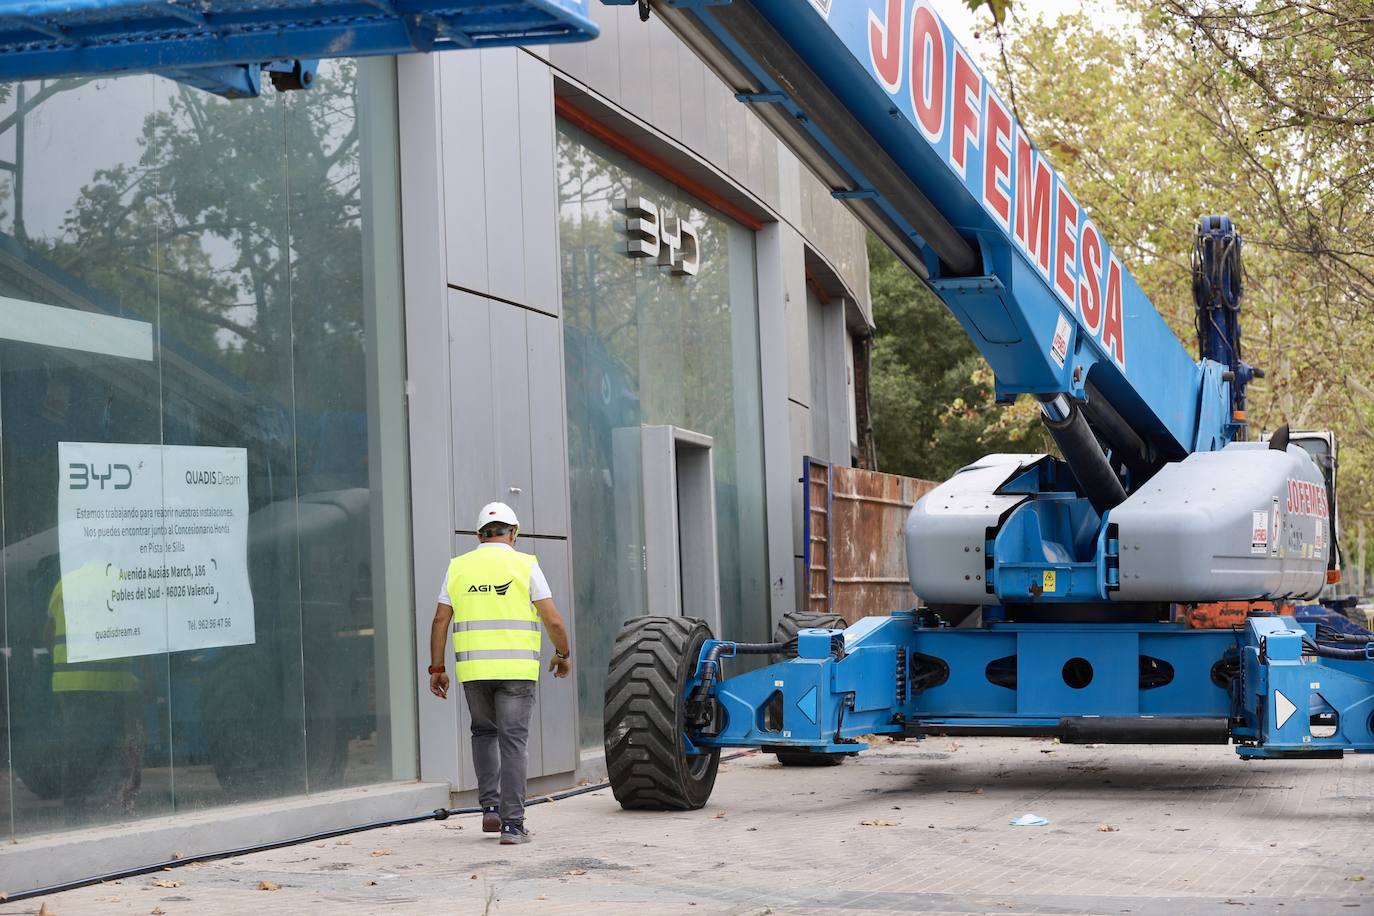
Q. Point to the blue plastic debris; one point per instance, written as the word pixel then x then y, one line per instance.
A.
pixel 1029 820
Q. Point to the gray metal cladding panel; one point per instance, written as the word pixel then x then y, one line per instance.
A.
pixel 820 378
pixel 754 132
pixel 717 98
pixel 667 89
pixel 799 434
pixel 947 527
pixel 474 469
pixel 789 184
pixel 798 335
pixel 1243 522
pixel 557 703
pixel 691 77
pixel 736 140
pixel 538 186
pixel 548 458
pixel 636 63
pixel 603 54
pixel 837 341
pixel 465 195
pixel 505 224
pixel 511 409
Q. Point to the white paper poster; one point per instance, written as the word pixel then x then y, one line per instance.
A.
pixel 154 548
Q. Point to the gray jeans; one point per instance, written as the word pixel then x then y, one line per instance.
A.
pixel 500 743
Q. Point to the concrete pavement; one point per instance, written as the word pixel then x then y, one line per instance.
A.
pixel 906 827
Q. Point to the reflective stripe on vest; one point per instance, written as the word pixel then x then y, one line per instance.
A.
pixel 495 628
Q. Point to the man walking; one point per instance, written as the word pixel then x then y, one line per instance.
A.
pixel 496 597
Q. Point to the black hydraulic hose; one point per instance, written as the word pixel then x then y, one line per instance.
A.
pixel 438 814
pixel 1083 452
pixel 1323 650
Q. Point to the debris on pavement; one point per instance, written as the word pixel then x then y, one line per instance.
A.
pixel 268 886
pixel 1108 828
pixel 875 822
pixel 1029 820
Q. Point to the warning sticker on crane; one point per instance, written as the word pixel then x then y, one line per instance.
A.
pixel 1259 533
pixel 1059 347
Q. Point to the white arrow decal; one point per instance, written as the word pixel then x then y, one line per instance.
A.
pixel 1283 708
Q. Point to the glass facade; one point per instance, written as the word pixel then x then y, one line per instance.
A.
pixel 197 594
pixel 645 346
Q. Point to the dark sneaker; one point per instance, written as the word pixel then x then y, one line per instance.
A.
pixel 491 820
pixel 514 834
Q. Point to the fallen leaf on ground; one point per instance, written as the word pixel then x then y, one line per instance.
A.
pixel 268 886
pixel 156 911
pixel 378 853
pixel 371 883
pixel 578 871
pixel 343 843
pixel 472 878
pixel 875 822
pixel 952 746
pixel 1356 878
pixel 166 882
pixel 1108 828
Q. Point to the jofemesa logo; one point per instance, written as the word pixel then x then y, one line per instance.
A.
pixel 84 476
pixel 498 589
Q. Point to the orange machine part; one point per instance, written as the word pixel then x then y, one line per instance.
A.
pixel 1222 615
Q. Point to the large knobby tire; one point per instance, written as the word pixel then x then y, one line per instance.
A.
pixel 648 767
pixel 786 631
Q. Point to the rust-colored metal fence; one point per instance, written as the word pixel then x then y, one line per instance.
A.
pixel 855 553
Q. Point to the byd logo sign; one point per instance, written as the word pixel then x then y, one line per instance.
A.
pixel 647 235
pixel 82 476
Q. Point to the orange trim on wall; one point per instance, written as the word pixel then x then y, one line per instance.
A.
pixel 654 163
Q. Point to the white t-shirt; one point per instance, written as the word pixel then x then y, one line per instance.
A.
pixel 539 586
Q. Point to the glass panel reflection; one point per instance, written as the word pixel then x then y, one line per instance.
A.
pixel 231 235
pixel 646 346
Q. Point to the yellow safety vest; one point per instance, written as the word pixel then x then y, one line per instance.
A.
pixel 110 676
pixel 495 628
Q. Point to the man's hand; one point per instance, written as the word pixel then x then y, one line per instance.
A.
pixel 560 667
pixel 438 685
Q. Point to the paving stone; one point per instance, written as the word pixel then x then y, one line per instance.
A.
pixel 1199 831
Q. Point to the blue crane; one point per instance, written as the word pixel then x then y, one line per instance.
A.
pixel 1075 562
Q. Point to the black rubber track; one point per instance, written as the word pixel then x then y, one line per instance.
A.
pixel 648 769
pixel 786 631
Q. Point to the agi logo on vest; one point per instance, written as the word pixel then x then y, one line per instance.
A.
pixel 498 589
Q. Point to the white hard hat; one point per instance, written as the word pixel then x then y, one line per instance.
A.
pixel 497 512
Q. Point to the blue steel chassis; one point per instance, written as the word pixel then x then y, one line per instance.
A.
pixel 1129 682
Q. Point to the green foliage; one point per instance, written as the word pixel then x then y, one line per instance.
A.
pixel 931 391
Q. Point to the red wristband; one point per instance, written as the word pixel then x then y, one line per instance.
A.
pixel 437 669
